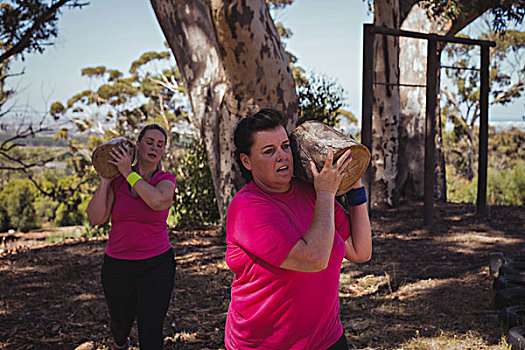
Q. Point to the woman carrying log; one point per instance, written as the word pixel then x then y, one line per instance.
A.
pixel 139 267
pixel 285 244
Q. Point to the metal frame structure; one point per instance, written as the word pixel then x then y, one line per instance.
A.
pixel 433 62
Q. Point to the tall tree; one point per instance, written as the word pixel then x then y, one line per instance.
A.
pixel 232 62
pixel 151 91
pixel 398 133
pixel 461 98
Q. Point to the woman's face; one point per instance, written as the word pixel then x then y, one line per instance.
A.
pixel 151 147
pixel 270 160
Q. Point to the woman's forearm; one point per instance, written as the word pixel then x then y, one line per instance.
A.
pixel 359 244
pixel 99 206
pixel 312 252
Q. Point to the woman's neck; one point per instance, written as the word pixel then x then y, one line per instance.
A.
pixel 144 171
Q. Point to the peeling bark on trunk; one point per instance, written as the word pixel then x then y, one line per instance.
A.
pixel 412 69
pixel 399 114
pixel 232 63
pixel 386 106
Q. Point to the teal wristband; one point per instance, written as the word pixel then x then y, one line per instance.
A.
pixel 133 178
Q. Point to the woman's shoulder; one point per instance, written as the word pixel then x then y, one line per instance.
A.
pixel 250 194
pixel 163 175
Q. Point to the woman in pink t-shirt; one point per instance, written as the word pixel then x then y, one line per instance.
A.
pixel 139 265
pixel 285 244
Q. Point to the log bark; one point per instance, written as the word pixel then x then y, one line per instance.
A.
pixel 310 142
pixel 232 63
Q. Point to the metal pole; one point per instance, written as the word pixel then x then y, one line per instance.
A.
pixel 430 131
pixel 367 101
pixel 481 202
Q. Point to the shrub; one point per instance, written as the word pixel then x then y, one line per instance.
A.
pixel 507 187
pixel 16 201
pixel 320 98
pixel 45 209
pixel 195 202
pixel 68 215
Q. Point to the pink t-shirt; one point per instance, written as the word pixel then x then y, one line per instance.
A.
pixel 271 307
pixel 137 231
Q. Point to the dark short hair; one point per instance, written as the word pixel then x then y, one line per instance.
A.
pixel 265 119
pixel 153 127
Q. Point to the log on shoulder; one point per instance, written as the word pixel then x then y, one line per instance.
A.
pixel 310 142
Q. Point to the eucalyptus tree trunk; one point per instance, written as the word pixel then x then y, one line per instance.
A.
pixel 398 130
pixel 232 63
pixel 412 69
pixel 385 124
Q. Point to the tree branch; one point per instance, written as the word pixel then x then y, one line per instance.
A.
pixel 26 38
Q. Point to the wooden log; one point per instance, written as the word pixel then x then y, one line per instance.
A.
pixel 101 155
pixel 310 142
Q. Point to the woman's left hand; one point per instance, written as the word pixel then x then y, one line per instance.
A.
pixel 121 159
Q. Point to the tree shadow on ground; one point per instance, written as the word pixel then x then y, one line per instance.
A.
pixel 420 283
pixel 436 280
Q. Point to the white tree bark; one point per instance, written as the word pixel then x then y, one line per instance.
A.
pixel 413 69
pixel 399 114
pixel 385 123
pixel 232 62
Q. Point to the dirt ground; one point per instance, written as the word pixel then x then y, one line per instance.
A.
pixel 425 288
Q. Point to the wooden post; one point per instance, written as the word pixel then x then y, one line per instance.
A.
pixel 481 202
pixel 367 101
pixel 430 131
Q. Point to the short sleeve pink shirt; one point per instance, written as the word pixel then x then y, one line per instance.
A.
pixel 137 231
pixel 271 307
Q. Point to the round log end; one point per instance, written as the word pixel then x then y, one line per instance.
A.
pixel 355 169
pixel 101 156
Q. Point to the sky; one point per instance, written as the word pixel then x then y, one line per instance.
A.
pixel 327 39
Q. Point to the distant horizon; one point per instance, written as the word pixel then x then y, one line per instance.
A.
pixel 327 39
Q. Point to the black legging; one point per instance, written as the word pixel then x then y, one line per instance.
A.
pixel 141 289
pixel 340 344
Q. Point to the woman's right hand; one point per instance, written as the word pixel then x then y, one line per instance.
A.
pixel 330 176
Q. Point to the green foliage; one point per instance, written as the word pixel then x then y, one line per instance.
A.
pixel 319 99
pixel 507 187
pixel 461 103
pixel 195 203
pixel 96 230
pixel 459 189
pixel 506 172
pixel 45 209
pixel 147 58
pixel 67 217
pixel 16 201
pixel 93 142
pixel 503 12
pixel 510 144
pixel 504 187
